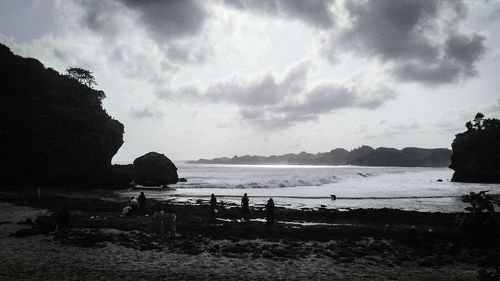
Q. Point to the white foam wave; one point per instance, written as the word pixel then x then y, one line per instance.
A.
pixel 273 183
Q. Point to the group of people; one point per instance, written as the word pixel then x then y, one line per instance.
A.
pixel 164 222
pixel 164 219
pixel 245 209
pixel 134 205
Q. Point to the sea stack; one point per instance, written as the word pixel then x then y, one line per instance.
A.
pixel 476 152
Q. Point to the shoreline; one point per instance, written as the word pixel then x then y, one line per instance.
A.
pixel 385 242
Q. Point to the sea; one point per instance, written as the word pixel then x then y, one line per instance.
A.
pixel 306 186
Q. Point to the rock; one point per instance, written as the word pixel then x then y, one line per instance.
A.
pixel 182 180
pixel 55 130
pixel 439 180
pixel 280 251
pixel 476 152
pixel 123 175
pixel 267 254
pixel 154 169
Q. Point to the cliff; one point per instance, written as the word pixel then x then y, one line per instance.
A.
pixel 476 152
pixel 54 129
pixel 362 156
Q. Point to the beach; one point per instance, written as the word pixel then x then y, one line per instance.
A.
pixel 302 245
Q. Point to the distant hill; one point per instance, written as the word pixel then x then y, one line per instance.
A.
pixel 362 156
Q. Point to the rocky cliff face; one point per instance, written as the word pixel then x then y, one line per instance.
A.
pixel 476 152
pixel 54 130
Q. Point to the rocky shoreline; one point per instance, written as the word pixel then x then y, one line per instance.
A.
pixel 375 238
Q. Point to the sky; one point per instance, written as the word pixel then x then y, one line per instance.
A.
pixel 210 78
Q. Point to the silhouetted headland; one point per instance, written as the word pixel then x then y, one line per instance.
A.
pixel 361 156
pixel 476 152
pixel 55 131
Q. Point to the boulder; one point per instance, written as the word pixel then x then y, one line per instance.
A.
pixel 154 169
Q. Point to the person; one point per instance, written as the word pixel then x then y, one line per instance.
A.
pixel 142 201
pixel 170 219
pixel 158 217
pixel 270 211
pixel 127 211
pixel 62 219
pixel 213 206
pixel 244 207
pixel 134 204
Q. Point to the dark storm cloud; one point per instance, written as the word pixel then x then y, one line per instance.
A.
pixel 403 33
pixel 390 29
pixel 273 103
pixel 100 16
pixel 460 54
pixel 164 19
pixel 170 18
pixel 313 12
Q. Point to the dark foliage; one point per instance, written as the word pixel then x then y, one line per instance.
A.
pixel 54 130
pixel 480 202
pixel 81 75
pixel 476 152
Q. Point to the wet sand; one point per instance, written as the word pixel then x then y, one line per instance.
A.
pixel 354 245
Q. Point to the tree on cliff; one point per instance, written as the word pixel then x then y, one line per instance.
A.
pixel 81 75
pixel 478 120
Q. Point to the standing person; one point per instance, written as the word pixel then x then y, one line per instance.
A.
pixel 244 207
pixel 158 217
pixel 213 206
pixel 170 219
pixel 270 211
pixel 62 219
pixel 142 201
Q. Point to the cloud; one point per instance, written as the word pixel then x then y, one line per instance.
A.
pixel 145 113
pixel 420 40
pixel 164 19
pixel 174 27
pixel 458 62
pixel 386 129
pixel 270 102
pixel 314 12
pixel 170 18
pixel 495 14
pixel 101 16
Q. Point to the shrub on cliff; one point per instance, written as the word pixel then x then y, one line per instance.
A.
pixel 476 152
pixel 54 130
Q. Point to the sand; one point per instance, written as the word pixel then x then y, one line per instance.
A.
pixel 41 257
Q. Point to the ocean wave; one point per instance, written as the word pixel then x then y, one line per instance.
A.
pixel 273 183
